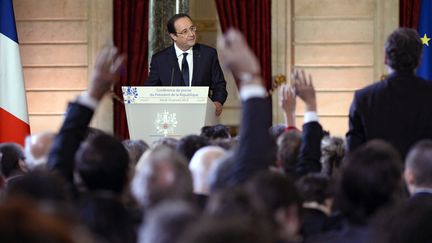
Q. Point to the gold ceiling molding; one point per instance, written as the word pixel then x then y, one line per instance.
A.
pixel 206 25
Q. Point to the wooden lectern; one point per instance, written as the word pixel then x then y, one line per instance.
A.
pixel 167 111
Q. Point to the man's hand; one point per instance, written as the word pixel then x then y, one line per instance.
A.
pixel 106 72
pixel 287 101
pixel 304 89
pixel 218 107
pixel 236 56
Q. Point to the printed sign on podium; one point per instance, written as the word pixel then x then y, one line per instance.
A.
pixel 167 111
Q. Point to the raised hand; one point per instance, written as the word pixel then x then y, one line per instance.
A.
pixel 106 71
pixel 236 56
pixel 287 101
pixel 304 89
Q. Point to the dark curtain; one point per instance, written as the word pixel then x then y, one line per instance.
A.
pixel 131 37
pixel 253 19
pixel 409 11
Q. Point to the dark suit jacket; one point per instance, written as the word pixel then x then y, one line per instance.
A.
pixel 165 71
pixel 255 151
pixel 66 143
pixel 398 110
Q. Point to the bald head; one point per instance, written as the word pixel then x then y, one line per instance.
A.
pixel 201 164
pixel 37 147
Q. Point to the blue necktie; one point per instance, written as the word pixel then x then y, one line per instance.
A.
pixel 185 70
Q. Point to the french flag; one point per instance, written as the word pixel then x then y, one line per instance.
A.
pixel 14 123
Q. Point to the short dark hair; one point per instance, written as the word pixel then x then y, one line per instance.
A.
pixel 411 222
pixel 370 180
pixel 316 187
pixel 403 49
pixel 102 163
pixel 9 162
pixel 211 230
pixel 215 132
pixel 419 161
pixel 39 185
pixel 188 145
pixel 273 191
pixel 136 149
pixel 171 22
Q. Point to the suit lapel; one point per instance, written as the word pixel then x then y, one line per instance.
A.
pixel 196 64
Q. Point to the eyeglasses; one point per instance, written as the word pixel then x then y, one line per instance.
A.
pixel 192 29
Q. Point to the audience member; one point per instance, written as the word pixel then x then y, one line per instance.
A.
pixel 370 183
pixel 418 170
pixel 215 132
pixel 161 174
pixel 200 166
pixel 332 153
pixel 210 230
pixel 396 109
pixel 188 145
pixel 167 222
pixel 136 149
pixel 12 163
pixel 318 193
pixel 280 199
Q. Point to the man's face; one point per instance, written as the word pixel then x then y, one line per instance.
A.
pixel 186 36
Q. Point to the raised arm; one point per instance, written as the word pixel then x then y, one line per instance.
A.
pixel 254 150
pixel 79 113
pixel 310 149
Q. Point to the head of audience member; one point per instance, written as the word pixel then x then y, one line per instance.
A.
pixel 234 202
pixel 403 50
pixel 418 167
pixel 370 181
pixel 39 185
pixel 22 221
pixel 12 160
pixel 215 132
pixel 277 130
pixel 166 141
pixel 102 164
pixel 161 174
pixel 167 222
pixel 136 149
pixel 279 197
pixel 37 147
pixel 200 166
pixel 222 230
pixel 317 191
pixel 188 145
pixel 410 223
pixel 288 145
pixel 332 153
pixel 182 31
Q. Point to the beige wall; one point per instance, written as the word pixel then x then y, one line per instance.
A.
pixel 58 41
pixel 338 41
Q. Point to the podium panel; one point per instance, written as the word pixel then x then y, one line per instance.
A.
pixel 156 112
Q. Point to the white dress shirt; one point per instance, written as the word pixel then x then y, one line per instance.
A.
pixel 189 59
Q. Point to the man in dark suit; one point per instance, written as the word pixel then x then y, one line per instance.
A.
pixel 187 63
pixel 397 109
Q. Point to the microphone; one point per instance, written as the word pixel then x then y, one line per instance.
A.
pixel 172 75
